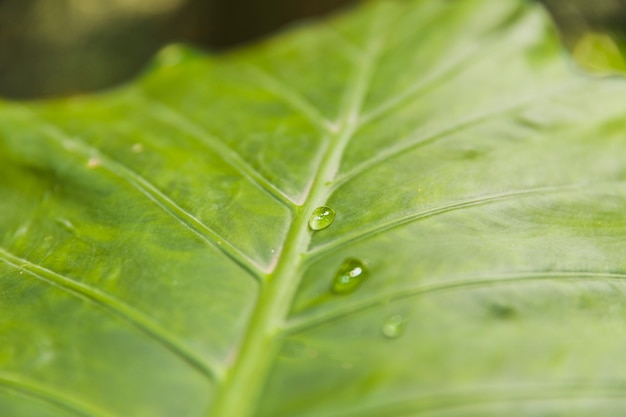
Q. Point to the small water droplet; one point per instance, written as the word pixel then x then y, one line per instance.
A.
pixel 93 163
pixel 298 351
pixel 70 145
pixel 349 276
pixel 394 326
pixel 66 224
pixel 502 311
pixel 171 55
pixel 333 127
pixel 137 148
pixel 321 218
pixel 22 230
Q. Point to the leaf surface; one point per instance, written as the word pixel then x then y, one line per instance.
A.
pixel 156 260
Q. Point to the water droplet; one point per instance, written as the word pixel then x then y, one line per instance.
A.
pixel 171 55
pixel 349 276
pixel 137 148
pixel 502 311
pixel 394 326
pixel 298 351
pixel 93 163
pixel 321 218
pixel 66 224
pixel 22 230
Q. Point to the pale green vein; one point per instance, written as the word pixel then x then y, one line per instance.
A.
pixel 423 404
pixel 243 386
pixel 494 45
pixel 412 141
pixel 46 394
pixel 209 367
pixel 291 96
pixel 186 219
pixel 215 144
pixel 425 84
pixel 375 228
pixel 299 324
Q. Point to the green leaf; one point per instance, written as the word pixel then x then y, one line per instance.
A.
pixel 600 53
pixel 156 258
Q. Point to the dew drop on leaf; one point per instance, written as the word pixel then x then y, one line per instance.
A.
pixel 66 224
pixel 93 163
pixel 349 276
pixel 321 218
pixel 394 326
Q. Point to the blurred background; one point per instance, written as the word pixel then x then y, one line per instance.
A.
pixel 61 47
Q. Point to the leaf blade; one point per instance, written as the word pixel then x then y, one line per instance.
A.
pixel 470 174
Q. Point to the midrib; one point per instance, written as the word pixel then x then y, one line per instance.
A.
pixel 239 393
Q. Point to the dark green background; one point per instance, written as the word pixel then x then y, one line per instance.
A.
pixel 59 47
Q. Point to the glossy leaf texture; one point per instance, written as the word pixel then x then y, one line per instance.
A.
pixel 156 258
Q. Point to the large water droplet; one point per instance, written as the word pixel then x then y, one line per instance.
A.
pixel 349 276
pixel 394 326
pixel 321 218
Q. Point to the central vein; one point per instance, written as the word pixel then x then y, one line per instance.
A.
pixel 240 391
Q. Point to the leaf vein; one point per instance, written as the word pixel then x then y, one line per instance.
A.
pixel 291 96
pixel 145 187
pixel 209 367
pixel 451 399
pixel 296 325
pixel 439 210
pixel 261 343
pixel 215 144
pixel 411 141
pixel 49 395
pixel 461 62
